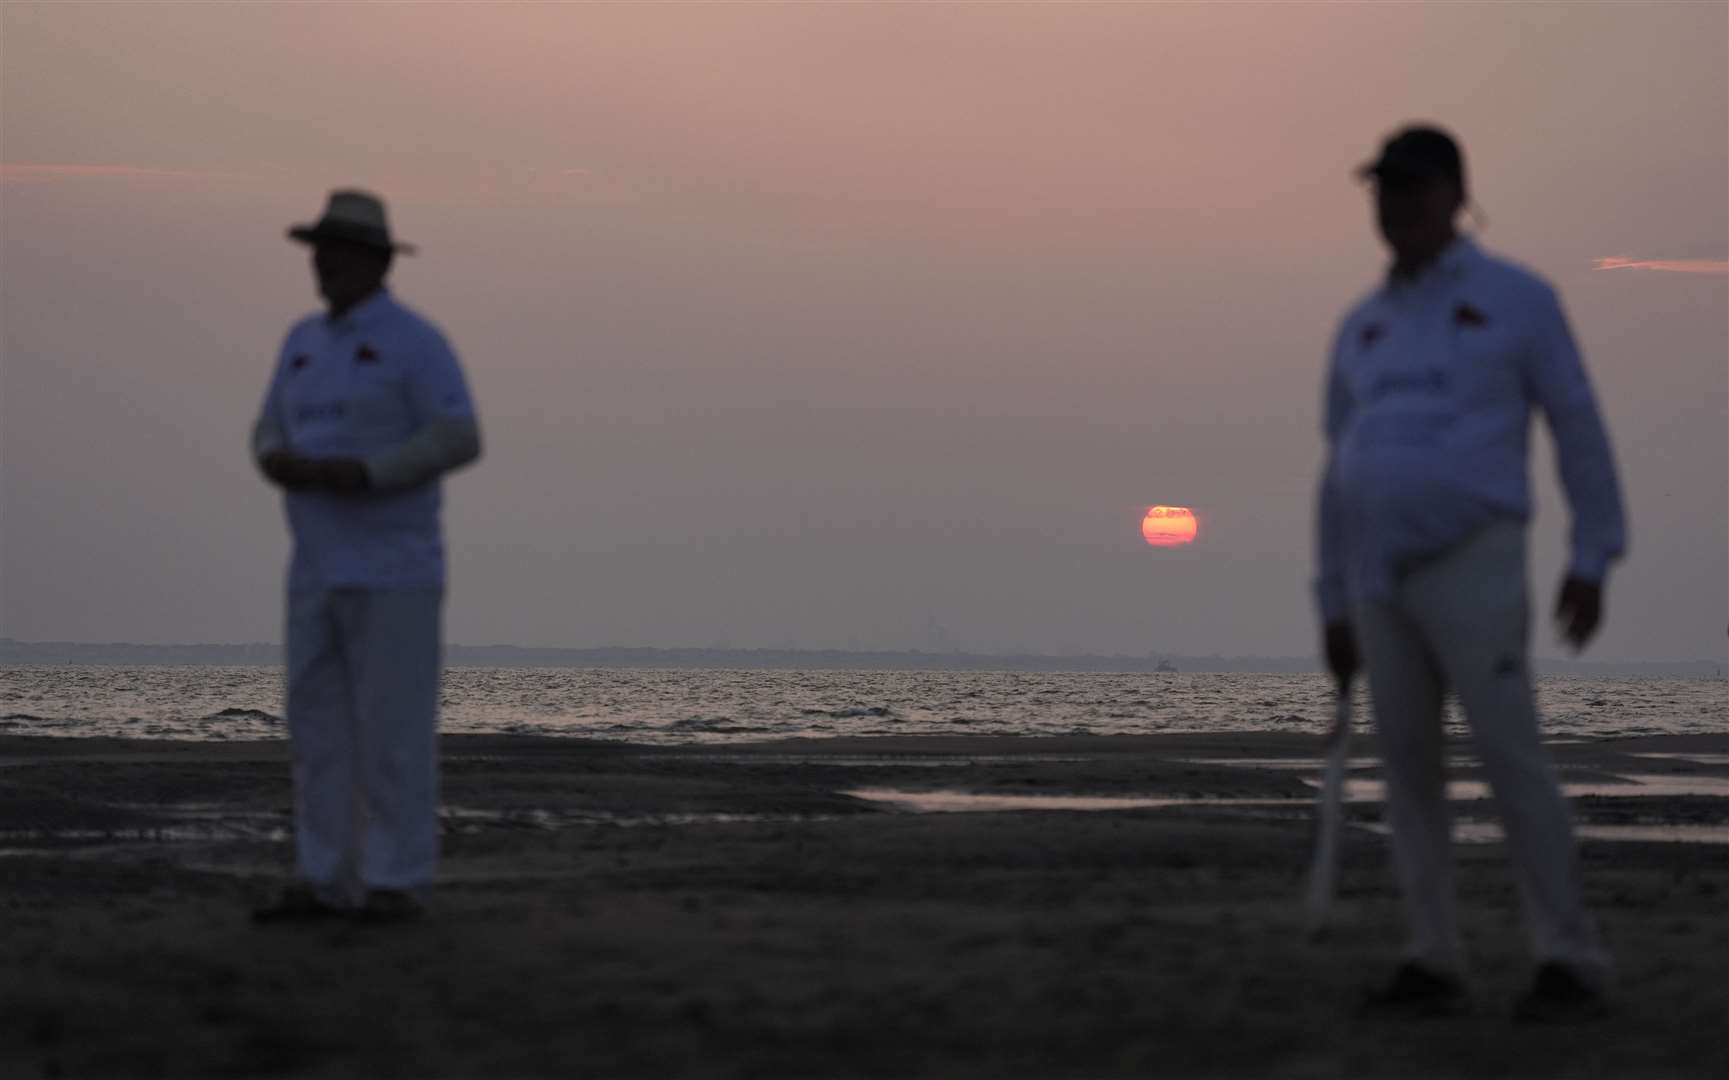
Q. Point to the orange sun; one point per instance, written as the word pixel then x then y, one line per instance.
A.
pixel 1169 526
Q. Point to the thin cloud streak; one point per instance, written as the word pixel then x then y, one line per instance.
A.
pixel 37 173
pixel 1672 266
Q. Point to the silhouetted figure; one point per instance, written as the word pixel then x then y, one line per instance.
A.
pixel 365 412
pixel 1423 507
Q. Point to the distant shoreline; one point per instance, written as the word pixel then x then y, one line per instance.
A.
pixel 14 653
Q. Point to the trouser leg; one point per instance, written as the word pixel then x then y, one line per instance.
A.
pixel 1406 690
pixel 321 730
pixel 397 643
pixel 1474 606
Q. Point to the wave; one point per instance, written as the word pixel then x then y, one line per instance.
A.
pixel 713 724
pixel 853 712
pixel 257 716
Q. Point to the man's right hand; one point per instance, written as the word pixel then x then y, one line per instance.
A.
pixel 1341 649
pixel 288 470
pixel 1578 610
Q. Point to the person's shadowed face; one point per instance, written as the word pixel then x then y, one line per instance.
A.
pixel 1416 216
pixel 348 273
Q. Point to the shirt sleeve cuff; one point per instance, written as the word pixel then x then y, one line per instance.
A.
pixel 1330 597
pixel 1592 566
pixel 445 444
pixel 267 438
pixel 387 471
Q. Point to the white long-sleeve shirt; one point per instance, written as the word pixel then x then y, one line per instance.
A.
pixel 379 384
pixel 1428 411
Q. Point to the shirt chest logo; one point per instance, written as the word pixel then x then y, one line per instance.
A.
pixel 316 412
pixel 1426 382
pixel 1466 315
pixel 366 354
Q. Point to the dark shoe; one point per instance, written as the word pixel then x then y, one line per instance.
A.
pixel 1560 995
pixel 385 907
pixel 296 904
pixel 1416 992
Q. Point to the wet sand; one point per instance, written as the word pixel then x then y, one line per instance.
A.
pixel 609 910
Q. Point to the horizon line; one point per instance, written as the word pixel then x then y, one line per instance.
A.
pixel 1151 656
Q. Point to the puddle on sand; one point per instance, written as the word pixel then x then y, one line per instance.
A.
pixel 1464 832
pixel 268 827
pixel 1314 764
pixel 874 761
pixel 197 823
pixel 1357 790
pixel 1489 832
pixel 1293 763
pixel 1633 786
pixel 468 819
pixel 1695 759
pixel 928 802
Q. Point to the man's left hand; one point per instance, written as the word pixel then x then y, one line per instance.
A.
pixel 1578 610
pixel 345 476
pixel 288 470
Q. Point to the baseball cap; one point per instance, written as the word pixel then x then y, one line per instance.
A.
pixel 1418 152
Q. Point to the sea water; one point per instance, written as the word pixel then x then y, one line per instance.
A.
pixel 673 706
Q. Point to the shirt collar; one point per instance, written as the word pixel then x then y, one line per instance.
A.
pixel 363 312
pixel 1450 264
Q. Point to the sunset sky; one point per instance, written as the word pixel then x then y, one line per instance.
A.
pixel 869 326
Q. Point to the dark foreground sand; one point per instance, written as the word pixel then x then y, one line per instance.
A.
pixel 621 911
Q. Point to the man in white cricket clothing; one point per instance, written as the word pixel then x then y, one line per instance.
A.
pixel 366 410
pixel 1424 501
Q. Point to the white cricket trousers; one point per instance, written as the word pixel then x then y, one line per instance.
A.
pixel 1462 621
pixel 363 667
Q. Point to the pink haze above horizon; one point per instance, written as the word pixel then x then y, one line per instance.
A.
pixel 831 326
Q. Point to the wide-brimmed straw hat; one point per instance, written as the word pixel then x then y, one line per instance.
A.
pixel 351 217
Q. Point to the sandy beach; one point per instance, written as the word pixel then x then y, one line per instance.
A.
pixel 613 910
